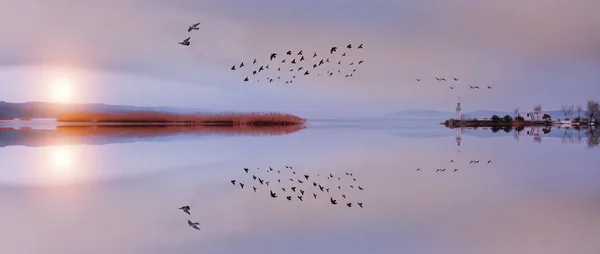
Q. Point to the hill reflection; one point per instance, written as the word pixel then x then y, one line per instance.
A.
pixel 100 135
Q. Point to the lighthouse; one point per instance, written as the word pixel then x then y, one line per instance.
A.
pixel 458 108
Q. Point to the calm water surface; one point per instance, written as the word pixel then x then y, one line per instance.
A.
pixel 77 191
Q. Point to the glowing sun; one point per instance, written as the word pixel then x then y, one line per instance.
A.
pixel 62 90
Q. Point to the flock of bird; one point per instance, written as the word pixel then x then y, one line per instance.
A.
pixel 295 65
pixel 293 185
pixel 298 64
pixel 456 169
pixel 456 80
pixel 186 209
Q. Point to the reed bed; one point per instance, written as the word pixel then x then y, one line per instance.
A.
pixel 170 130
pixel 151 117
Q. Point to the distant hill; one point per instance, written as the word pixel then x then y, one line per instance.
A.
pixel 51 110
pixel 443 115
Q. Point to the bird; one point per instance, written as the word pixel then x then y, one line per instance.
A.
pixel 321 62
pixel 327 190
pixel 321 187
pixel 315 55
pixel 315 184
pixel 194 224
pixel 344 196
pixel 254 188
pixel 443 79
pixel 283 189
pixel 476 87
pixel 360 46
pixel 186 209
pixel 273 194
pixel 233 182
pixel 273 55
pixel 333 49
pixel 314 66
pixel 455 79
pixel 352 186
pixel 242 65
pixel 418 79
pixel 283 61
pixel 302 192
pixel 300 197
pixel 361 61
pixel 302 58
pixel 452 161
pixel 349 204
pixel 452 87
pixel 300 181
pixel 349 46
pixel 294 61
pixel 194 27
pixel 418 169
pixel 360 188
pixel 306 176
pixel 330 175
pixel 279 180
pixel 253 62
pixel 455 170
pixel 254 73
pixel 233 68
pixel 489 87
pixel 333 201
pixel 246 79
pixel 245 169
pixel 289 198
pixel 352 63
pixel 254 177
pixel 300 53
pixel 261 181
pixel 344 54
pixel 260 69
pixel 340 187
pixel 315 195
pixel 289 52
pixel 293 189
pixel 242 185
pixel 360 204
pixel 185 42
pixel 267 183
pixel 300 68
pixel 489 162
pixel 340 62
pixel 306 73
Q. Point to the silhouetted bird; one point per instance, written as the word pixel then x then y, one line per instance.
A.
pixel 418 169
pixel 360 46
pixel 302 192
pixel 489 87
pixel 418 79
pixel 314 66
pixel 283 61
pixel 253 62
pixel 283 189
pixel 306 73
pixel 302 58
pixel 339 178
pixel 361 61
pixel 289 198
pixel 306 176
pixel 300 53
pixel 254 177
pixel 260 69
pixel 267 67
pixel 489 162
pixel 273 55
pixel 300 68
pixel 194 224
pixel 455 79
pixel 242 185
pixel 185 42
pixel 315 184
pixel 315 195
pixel 360 204
pixel 333 201
pixel 233 182
pixel 352 186
pixel 344 196
pixel 261 181
pixel 321 62
pixel 340 187
pixel 267 183
pixel 333 49
pixel 233 68
pixel 279 180
pixel 273 194
pixel 279 69
pixel 242 65
pixel 245 169
pixel 254 188
pixel 186 209
pixel 327 60
pixel 455 170
pixel 300 181
pixel 330 74
pixel 246 79
pixel 352 63
pixel 452 87
pixel 344 54
pixel 321 187
pixel 349 46
pixel 339 62
pixel 289 52
pixel 349 204
pixel 254 73
pixel 315 55
pixel 294 61
pixel 360 188
pixel 452 161
pixel 327 190
pixel 330 175
pixel 293 189
pixel 300 197
pixel 194 27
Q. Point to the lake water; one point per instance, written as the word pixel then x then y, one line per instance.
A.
pixel 81 190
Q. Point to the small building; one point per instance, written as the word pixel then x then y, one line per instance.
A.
pixel 458 109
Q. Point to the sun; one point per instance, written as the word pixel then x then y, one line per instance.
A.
pixel 62 90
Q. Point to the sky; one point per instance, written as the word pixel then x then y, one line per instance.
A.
pixel 125 52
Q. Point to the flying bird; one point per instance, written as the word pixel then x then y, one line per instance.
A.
pixel 360 46
pixel 344 196
pixel 306 176
pixel 302 192
pixel 289 52
pixel 315 195
pixel 273 194
pixel 344 54
pixel 418 79
pixel 455 79
pixel 246 79
pixel 361 61
pixel 349 46
pixel 300 197
pixel 315 55
pixel 349 204
pixel 333 49
pixel 333 201
pixel 194 224
pixel 360 204
pixel 186 209
pixel 185 42
pixel 489 87
pixel 489 162
pixel 254 188
pixel 194 27
pixel 233 182
pixel 289 198
pixel 233 68
pixel 360 188
pixel 300 53
pixel 246 169
pixel 293 189
pixel 273 55
pixel 242 185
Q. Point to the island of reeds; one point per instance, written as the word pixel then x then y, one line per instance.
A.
pixel 167 118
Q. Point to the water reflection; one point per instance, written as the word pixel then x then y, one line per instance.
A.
pixel 567 135
pixel 123 198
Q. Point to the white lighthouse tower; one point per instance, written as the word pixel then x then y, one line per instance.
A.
pixel 458 109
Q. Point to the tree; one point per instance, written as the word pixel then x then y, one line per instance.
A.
pixel 519 119
pixel 507 118
pixel 593 110
pixel 567 110
pixel 495 118
pixel 547 117
pixel 536 111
